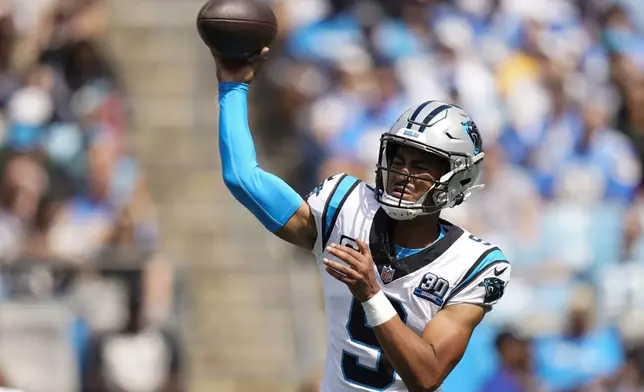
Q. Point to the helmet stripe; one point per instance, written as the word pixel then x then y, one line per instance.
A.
pixel 431 115
pixel 416 112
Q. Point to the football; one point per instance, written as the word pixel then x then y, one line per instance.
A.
pixel 236 29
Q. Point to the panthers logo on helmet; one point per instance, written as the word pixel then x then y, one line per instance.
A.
pixel 475 135
pixel 494 288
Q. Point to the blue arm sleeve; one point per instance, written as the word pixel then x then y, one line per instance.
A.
pixel 269 198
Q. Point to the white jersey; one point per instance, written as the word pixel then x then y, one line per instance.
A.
pixel 458 268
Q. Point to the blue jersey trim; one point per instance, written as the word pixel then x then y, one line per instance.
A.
pixel 489 258
pixel 495 255
pixel 336 200
pixel 402 252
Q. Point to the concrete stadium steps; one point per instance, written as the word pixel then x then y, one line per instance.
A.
pixel 254 331
pixel 249 386
pixel 243 333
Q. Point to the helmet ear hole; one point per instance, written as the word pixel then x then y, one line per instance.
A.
pixel 441 197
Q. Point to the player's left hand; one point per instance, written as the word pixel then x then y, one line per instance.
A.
pixel 358 274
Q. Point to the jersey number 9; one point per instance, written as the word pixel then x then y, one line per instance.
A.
pixel 382 375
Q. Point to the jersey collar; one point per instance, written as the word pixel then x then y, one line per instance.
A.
pixel 384 255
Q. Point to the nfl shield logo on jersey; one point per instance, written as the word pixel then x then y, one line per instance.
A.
pixel 387 274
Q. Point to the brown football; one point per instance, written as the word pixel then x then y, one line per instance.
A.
pixel 236 29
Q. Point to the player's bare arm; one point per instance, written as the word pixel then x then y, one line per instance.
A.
pixel 423 362
pixel 269 198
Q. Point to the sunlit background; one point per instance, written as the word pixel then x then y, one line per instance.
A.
pixel 127 267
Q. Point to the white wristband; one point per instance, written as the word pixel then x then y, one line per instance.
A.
pixel 378 309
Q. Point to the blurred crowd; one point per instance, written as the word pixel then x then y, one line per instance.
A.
pixel 84 297
pixel 555 86
pixel 557 90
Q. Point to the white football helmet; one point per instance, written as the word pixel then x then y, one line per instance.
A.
pixel 436 128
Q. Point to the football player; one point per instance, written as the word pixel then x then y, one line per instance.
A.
pixel 403 288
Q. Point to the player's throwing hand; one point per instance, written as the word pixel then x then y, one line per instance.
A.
pixel 240 70
pixel 358 275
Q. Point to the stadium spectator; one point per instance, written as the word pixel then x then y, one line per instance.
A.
pixel 139 358
pixel 584 352
pixel 516 369
pixel 8 79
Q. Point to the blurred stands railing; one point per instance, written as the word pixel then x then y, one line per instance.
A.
pixel 114 322
pixel 35 347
